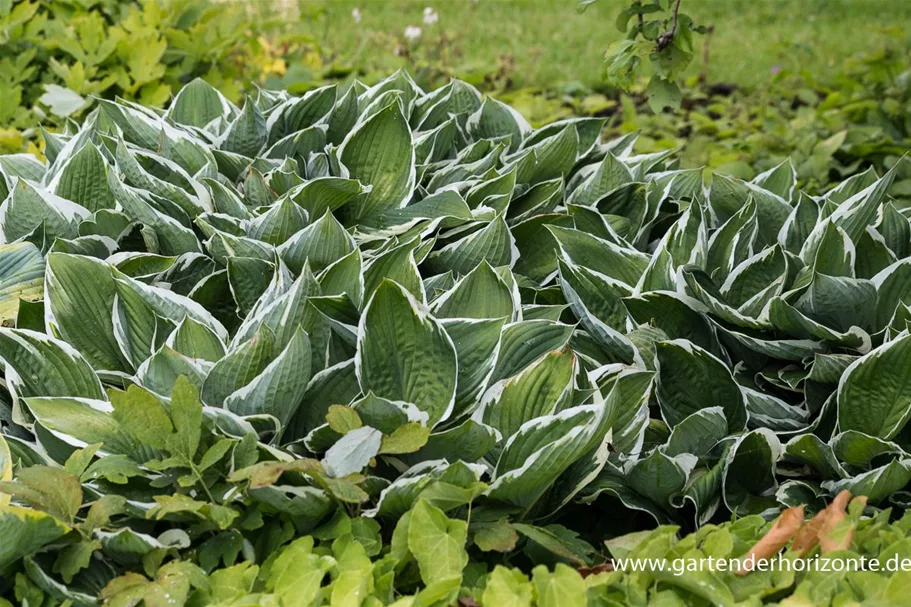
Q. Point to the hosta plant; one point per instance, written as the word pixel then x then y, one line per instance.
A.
pixel 408 323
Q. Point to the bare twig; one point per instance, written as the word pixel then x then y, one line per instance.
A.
pixel 704 74
pixel 667 37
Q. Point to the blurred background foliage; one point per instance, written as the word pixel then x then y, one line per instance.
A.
pixel 824 81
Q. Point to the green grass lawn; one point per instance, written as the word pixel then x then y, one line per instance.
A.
pixel 545 42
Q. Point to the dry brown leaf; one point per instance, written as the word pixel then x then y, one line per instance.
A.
pixel 808 535
pixel 829 542
pixel 783 529
pixel 836 514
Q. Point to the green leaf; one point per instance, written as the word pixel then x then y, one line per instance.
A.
pixel 405 439
pixel 379 152
pixel 320 244
pixel 690 379
pixel 480 294
pixel 25 532
pixel 663 94
pixel 140 414
pixel 82 316
pixel 21 278
pixel 508 587
pixel 437 543
pixel 538 390
pixel 873 396
pixel 186 415
pixel 52 490
pixel 404 354
pixel 43 366
pixel 279 388
pixel 84 179
pixel 562 586
pixel 343 419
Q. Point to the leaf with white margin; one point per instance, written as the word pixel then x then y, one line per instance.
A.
pixel 810 450
pixel 168 304
pixel 788 319
pixel 239 367
pixel 83 421
pixel 479 294
pixel 733 242
pixel 876 484
pixel 21 277
pixel 661 477
pixel 874 395
pixel 526 341
pixel 728 194
pixel 173 237
pixel 396 499
pixel 753 276
pixel 697 434
pixel 858 450
pixel 609 175
pixel 83 178
pixel 628 390
pixel 853 215
pixel 599 255
pixel 380 152
pixel 39 365
pixel 836 252
pixel 780 180
pixel 493 243
pixel 748 481
pixel 783 349
pixel 699 286
pixel 403 353
pixel 799 224
pixel 278 390
pixel 596 302
pixel 678 316
pixel 768 411
pixel 397 264
pixel 620 428
pixel 690 379
pixel 477 343
pixel 543 448
pixel 79 300
pixel 467 442
pixel 138 127
pixel 28 208
pixel 283 311
pixel 496 119
pixel 247 134
pixel 198 103
pixel 893 286
pixel 135 174
pixel 387 416
pixel 320 244
pixel 539 389
pixel 277 224
pixel 839 303
pixel 160 371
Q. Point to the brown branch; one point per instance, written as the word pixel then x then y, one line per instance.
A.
pixel 704 73
pixel 667 37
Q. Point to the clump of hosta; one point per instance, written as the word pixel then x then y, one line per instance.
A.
pixel 230 327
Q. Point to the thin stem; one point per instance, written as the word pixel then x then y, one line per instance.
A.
pixel 205 487
pixel 667 37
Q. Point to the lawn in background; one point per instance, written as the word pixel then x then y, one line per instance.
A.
pixel 541 43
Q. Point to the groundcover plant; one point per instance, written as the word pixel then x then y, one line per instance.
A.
pixel 377 345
